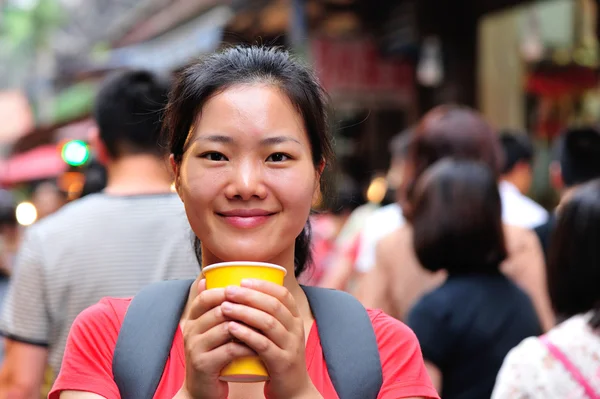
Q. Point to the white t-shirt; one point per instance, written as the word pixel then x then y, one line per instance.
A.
pixel 520 210
pixel 382 222
pixel 531 371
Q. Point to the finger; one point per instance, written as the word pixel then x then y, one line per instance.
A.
pixel 221 356
pixel 275 290
pixel 205 322
pixel 257 319
pixel 256 341
pixel 210 340
pixel 265 302
pixel 205 301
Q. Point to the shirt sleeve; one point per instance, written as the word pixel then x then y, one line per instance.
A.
pixel 404 373
pixel 87 362
pixel 426 322
pixel 24 315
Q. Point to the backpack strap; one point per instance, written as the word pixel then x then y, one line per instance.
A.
pixel 348 340
pixel 146 337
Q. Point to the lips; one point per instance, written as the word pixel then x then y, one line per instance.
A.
pixel 246 218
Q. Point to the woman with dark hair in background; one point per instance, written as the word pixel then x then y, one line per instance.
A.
pixel 565 362
pixel 249 141
pixel 468 324
pixel 397 280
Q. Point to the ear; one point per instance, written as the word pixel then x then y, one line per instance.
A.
pixel 176 172
pixel 98 146
pixel 556 179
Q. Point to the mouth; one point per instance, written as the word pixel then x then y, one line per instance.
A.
pixel 246 218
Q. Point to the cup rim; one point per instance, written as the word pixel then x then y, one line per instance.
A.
pixel 244 263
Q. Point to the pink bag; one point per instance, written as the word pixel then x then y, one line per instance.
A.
pixel 571 368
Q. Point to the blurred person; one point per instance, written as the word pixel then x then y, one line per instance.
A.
pixel 515 182
pixel 467 325
pixel 332 237
pixel 10 237
pixel 564 363
pixel 396 281
pixel 576 161
pixel 389 217
pixel 95 179
pixel 47 199
pixel 111 243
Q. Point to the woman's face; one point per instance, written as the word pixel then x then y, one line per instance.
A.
pixel 247 178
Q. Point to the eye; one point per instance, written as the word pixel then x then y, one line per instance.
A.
pixel 278 157
pixel 214 156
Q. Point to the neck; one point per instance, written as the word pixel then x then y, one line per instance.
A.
pixel 138 174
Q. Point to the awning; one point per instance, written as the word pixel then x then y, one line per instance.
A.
pixel 175 48
pixel 40 163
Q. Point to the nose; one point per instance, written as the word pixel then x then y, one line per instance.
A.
pixel 247 182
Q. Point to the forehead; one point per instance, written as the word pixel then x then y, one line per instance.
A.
pixel 253 111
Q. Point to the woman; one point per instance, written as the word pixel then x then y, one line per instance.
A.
pixel 565 363
pixel 248 137
pixel 397 280
pixel 468 324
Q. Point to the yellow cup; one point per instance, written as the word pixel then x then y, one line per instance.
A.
pixel 221 275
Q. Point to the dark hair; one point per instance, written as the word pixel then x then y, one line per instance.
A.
pixel 449 131
pixel 347 197
pixel 8 209
pixel 95 178
pixel 457 219
pixel 574 255
pixel 247 65
pixel 517 147
pixel 578 152
pixel 128 111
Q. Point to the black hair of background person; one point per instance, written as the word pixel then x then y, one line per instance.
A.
pixel 517 147
pixel 457 219
pixel 8 209
pixel 249 65
pixel 128 111
pixel 574 257
pixel 579 155
pixel 577 151
pixel 95 178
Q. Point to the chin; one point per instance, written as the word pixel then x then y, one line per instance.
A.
pixel 251 251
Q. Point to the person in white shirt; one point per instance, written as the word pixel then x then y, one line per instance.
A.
pixel 517 175
pixel 388 218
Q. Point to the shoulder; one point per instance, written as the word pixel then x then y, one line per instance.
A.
pixel 386 215
pixel 391 332
pixel 103 318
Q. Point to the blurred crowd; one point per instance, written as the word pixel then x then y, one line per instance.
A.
pixel 500 292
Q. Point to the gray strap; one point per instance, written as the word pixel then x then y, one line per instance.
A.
pixel 146 337
pixel 349 345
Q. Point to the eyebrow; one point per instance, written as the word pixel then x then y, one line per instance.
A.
pixel 267 141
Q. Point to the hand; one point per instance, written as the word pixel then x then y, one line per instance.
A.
pixel 208 346
pixel 265 317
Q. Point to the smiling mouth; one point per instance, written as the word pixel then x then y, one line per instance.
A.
pixel 246 220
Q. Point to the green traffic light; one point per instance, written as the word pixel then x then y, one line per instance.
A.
pixel 75 153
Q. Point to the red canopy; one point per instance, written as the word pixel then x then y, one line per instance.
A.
pixel 40 163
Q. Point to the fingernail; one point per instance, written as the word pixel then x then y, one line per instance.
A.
pixel 226 307
pixel 233 327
